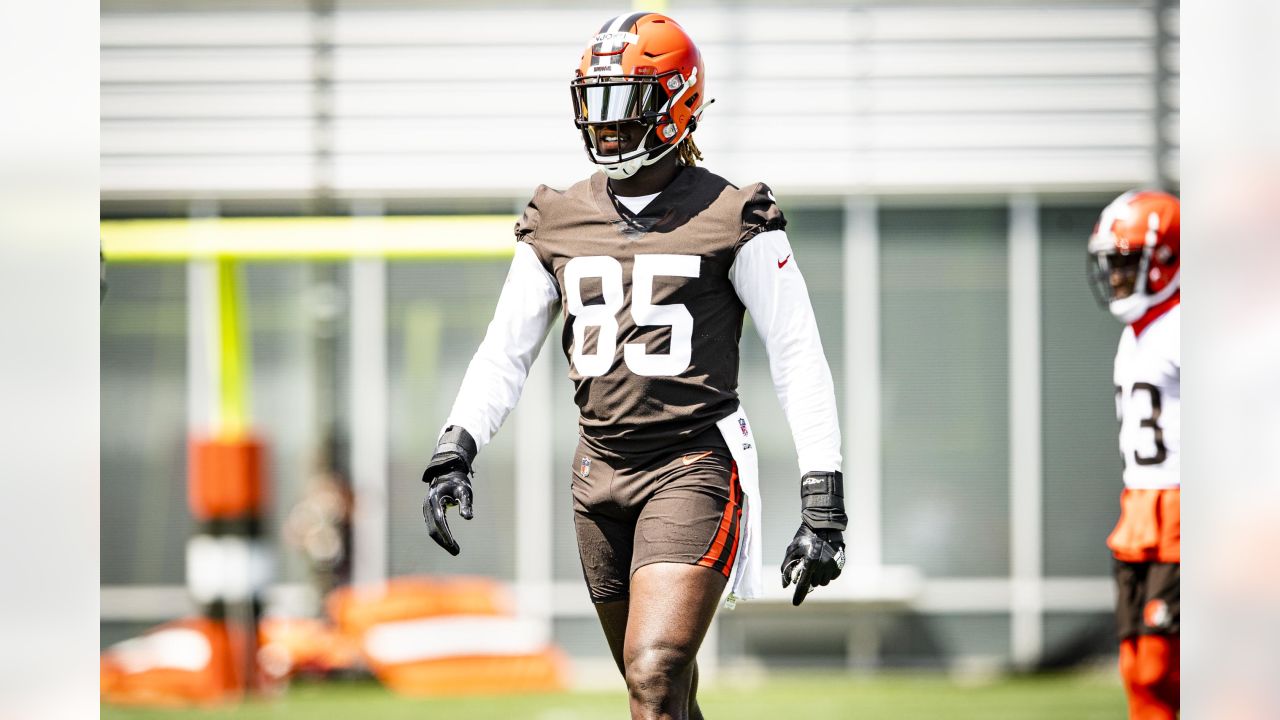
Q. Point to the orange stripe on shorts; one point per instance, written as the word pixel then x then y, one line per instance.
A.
pixel 719 556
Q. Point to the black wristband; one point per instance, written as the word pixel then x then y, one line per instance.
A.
pixel 456 450
pixel 822 500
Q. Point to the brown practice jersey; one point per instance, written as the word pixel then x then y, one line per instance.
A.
pixel 651 320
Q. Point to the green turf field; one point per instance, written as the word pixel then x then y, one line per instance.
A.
pixel 1065 697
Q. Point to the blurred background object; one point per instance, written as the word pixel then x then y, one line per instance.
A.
pixel 941 165
pixel 319 525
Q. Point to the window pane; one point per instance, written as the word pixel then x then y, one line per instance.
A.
pixel 145 522
pixel 944 386
pixel 297 349
pixel 1081 456
pixel 437 315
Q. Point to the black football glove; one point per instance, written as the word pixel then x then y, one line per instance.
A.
pixel 449 477
pixel 816 553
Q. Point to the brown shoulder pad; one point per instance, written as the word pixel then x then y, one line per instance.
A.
pixel 760 212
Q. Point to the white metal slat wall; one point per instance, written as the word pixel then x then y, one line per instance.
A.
pixel 452 103
pixel 200 104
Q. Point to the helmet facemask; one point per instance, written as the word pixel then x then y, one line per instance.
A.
pixel 632 107
pixel 1122 280
pixel 1119 282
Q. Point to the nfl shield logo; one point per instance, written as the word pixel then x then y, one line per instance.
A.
pixel 743 424
pixel 586 466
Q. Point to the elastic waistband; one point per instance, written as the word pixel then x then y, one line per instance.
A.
pixel 708 438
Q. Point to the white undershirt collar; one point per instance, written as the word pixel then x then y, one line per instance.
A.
pixel 636 204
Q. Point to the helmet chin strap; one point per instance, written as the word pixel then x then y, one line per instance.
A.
pixel 624 170
pixel 1129 310
pixel 630 166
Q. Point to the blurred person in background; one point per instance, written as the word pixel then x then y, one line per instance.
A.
pixel 1134 258
pixel 653 261
pixel 319 524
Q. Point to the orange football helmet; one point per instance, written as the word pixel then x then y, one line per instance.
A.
pixel 1134 253
pixel 643 69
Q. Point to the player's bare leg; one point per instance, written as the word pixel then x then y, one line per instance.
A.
pixel 671 608
pixel 613 618
pixel 695 712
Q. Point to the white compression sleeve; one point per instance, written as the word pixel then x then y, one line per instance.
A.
pixel 769 283
pixel 496 375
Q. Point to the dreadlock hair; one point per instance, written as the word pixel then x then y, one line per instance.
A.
pixel 688 151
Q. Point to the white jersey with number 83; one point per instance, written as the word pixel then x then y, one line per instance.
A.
pixel 1148 374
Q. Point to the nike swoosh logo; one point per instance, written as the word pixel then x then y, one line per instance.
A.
pixel 783 261
pixel 691 459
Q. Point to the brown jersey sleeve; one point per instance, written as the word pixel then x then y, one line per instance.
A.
pixel 760 213
pixel 526 228
pixel 527 224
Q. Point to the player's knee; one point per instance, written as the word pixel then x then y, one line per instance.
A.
pixel 655 673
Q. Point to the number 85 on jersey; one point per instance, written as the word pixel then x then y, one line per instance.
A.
pixel 643 313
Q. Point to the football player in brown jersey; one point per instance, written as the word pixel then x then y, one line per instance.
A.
pixel 652 262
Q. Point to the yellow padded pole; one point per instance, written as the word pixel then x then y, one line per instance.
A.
pixel 233 354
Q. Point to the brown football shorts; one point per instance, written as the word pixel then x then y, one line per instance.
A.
pixel 682 505
pixel 1148 598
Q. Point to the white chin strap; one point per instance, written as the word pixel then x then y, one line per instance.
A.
pixel 627 168
pixel 624 170
pixel 1129 310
